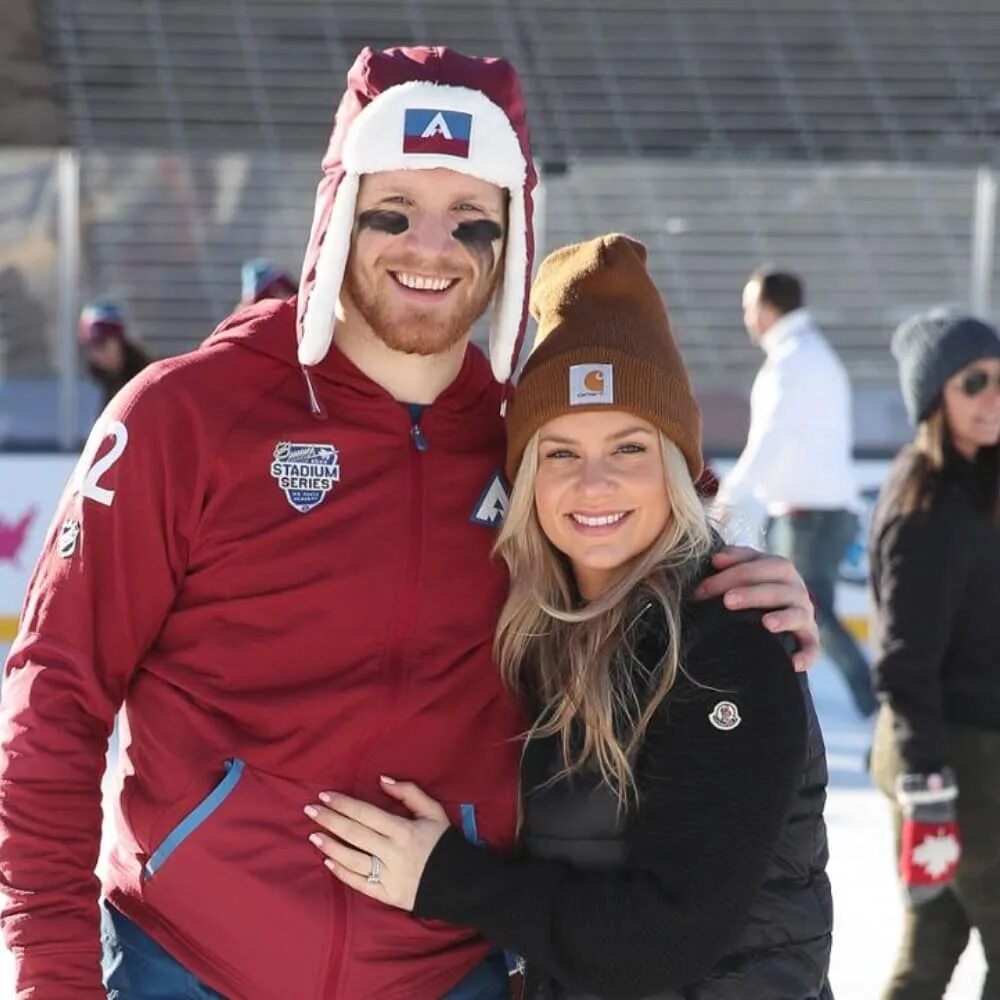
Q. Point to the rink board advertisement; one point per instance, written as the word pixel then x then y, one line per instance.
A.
pixel 30 487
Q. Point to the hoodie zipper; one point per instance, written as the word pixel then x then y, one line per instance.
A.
pixel 417 436
pixel 403 615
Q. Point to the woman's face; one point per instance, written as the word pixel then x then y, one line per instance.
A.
pixel 972 406
pixel 600 492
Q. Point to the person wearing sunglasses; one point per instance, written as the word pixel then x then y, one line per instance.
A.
pixel 935 558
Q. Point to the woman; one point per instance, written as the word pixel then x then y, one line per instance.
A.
pixel 673 842
pixel 935 557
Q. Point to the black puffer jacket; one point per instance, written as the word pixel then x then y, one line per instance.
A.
pixel 669 902
pixel 936 590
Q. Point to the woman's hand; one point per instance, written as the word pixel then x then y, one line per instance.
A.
pixel 361 832
pixel 751 579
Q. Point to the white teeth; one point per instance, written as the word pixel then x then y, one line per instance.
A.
pixel 597 522
pixel 423 284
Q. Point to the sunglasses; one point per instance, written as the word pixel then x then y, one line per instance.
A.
pixel 976 382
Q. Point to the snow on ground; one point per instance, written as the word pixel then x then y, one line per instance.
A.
pixel 868 914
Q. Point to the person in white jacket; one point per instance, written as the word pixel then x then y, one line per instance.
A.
pixel 797 459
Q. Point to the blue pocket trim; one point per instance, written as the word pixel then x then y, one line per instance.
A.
pixel 469 827
pixel 194 819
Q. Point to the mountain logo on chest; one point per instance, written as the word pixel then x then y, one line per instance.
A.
pixel 494 502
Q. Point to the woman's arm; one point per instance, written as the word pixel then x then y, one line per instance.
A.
pixel 923 573
pixel 713 804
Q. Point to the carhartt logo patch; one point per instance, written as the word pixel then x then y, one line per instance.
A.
pixel 305 472
pixel 492 506
pixel 430 130
pixel 725 716
pixel 590 384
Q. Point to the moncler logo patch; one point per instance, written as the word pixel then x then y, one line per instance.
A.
pixel 305 472
pixel 431 130
pixel 725 716
pixel 492 506
pixel 69 534
pixel 590 384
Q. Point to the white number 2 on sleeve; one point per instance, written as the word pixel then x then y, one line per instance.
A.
pixel 89 472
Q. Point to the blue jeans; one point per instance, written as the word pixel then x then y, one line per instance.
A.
pixel 816 541
pixel 137 968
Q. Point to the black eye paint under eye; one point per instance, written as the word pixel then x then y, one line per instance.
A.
pixel 479 237
pixel 383 221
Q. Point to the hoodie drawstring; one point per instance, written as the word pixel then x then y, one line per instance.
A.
pixel 315 406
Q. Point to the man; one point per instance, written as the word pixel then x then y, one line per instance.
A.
pixel 797 459
pixel 260 279
pixel 281 568
pixel 112 358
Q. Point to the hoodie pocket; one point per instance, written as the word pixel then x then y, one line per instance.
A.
pixel 490 821
pixel 194 819
pixel 238 883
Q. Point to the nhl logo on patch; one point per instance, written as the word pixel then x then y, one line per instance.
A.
pixel 69 535
pixel 725 716
pixel 305 472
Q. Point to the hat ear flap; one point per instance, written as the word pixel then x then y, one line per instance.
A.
pixel 319 312
pixel 510 312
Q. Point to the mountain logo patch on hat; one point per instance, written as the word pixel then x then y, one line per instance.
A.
pixel 591 384
pixel 428 130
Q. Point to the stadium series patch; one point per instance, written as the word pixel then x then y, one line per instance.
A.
pixel 305 472
pixel 428 130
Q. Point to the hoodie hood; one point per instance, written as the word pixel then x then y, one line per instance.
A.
pixel 419 109
pixel 264 327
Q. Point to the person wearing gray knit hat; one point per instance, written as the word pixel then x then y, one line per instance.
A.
pixel 935 589
pixel 931 347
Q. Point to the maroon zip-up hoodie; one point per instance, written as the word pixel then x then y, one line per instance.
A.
pixel 285 604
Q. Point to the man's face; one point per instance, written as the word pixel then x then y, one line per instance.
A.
pixel 426 255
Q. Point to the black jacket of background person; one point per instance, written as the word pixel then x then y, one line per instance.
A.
pixel 936 588
pixel 715 888
pixel 135 360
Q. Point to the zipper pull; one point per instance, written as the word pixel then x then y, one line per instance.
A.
pixel 419 441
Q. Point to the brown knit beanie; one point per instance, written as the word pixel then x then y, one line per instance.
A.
pixel 604 342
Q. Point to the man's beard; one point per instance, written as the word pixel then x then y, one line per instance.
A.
pixel 411 330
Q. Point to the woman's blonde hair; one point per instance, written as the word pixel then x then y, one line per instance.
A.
pixel 577 661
